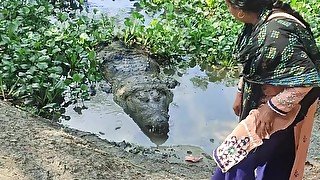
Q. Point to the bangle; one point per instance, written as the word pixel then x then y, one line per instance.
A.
pixel 275 109
pixel 239 90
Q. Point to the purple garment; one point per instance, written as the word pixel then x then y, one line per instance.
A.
pixel 273 160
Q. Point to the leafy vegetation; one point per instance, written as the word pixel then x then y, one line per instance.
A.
pixel 44 51
pixel 201 30
pixel 310 10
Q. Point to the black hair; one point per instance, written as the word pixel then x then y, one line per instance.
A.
pixel 259 5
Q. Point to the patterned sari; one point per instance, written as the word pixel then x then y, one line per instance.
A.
pixel 281 67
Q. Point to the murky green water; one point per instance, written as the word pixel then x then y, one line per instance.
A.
pixel 200 114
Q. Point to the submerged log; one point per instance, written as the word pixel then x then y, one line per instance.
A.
pixel 139 89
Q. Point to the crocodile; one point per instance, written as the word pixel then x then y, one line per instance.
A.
pixel 139 88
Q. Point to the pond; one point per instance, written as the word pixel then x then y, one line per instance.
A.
pixel 200 114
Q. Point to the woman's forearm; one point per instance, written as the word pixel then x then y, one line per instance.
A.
pixel 240 85
pixel 288 99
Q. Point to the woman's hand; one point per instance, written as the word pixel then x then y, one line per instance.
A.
pixel 237 104
pixel 265 121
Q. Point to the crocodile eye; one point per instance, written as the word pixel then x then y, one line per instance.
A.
pixel 156 98
pixel 143 97
pixel 146 99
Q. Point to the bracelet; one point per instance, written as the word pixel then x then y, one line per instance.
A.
pixel 275 109
pixel 239 90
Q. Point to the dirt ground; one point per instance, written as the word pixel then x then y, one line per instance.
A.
pixel 33 148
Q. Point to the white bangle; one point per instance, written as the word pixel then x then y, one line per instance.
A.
pixel 239 90
pixel 273 108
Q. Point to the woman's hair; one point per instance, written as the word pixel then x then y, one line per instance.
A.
pixel 260 5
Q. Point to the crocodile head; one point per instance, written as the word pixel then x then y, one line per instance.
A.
pixel 149 109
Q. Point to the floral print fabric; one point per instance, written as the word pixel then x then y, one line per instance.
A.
pixel 244 138
pixel 232 151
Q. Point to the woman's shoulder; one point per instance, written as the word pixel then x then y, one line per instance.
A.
pixel 284 21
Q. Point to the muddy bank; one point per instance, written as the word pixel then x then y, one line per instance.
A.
pixel 34 148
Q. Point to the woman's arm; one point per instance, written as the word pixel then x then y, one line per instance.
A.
pixel 287 99
pixel 240 85
pixel 237 102
pixel 279 105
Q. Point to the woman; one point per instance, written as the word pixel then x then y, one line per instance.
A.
pixel 277 94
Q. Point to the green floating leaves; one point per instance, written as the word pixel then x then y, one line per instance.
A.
pixel 77 77
pixel 203 30
pixel 48 50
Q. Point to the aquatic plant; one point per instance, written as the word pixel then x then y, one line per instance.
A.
pixel 310 10
pixel 44 51
pixel 202 30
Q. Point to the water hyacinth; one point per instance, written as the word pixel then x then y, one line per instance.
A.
pixel 46 50
pixel 201 29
